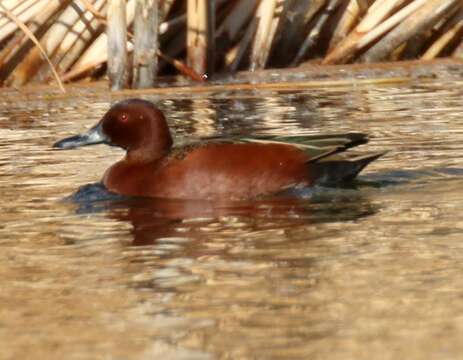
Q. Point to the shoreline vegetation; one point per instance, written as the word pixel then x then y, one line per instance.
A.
pixel 134 41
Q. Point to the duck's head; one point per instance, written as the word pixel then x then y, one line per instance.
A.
pixel 135 125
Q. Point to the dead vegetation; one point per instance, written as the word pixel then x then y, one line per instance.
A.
pixel 132 41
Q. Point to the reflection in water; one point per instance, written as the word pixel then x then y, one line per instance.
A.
pixel 327 273
pixel 203 119
pixel 159 218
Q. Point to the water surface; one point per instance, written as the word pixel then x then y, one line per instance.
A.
pixel 371 271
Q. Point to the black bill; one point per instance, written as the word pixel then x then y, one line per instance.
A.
pixel 91 137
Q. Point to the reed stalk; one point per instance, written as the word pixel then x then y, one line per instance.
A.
pixel 236 19
pixel 116 31
pixel 197 35
pixel 314 34
pixel 83 33
pixel 264 35
pixel 24 28
pixel 458 52
pixel 389 23
pixel 24 10
pixel 350 15
pixel 295 22
pixel 424 18
pixel 236 54
pixel 145 60
pixel 375 15
pixel 93 10
pixel 33 64
pixel 15 52
pixel 96 53
pixel 450 32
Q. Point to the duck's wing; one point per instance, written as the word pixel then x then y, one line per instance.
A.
pixel 316 146
pixel 329 162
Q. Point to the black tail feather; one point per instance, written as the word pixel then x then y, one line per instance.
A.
pixel 334 171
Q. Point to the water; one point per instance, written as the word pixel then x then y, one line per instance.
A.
pixel 367 272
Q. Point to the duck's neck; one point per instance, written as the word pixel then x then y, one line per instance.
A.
pixel 150 149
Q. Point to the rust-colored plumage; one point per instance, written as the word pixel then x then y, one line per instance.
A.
pixel 215 169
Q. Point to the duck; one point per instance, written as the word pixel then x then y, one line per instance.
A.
pixel 215 168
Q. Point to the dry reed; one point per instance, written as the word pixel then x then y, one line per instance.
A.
pixel 75 39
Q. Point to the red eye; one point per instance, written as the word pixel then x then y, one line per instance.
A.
pixel 124 117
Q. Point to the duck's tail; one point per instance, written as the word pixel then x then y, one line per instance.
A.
pixel 331 170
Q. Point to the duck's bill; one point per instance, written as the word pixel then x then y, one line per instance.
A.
pixel 91 137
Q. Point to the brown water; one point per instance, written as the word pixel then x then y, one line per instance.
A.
pixel 372 272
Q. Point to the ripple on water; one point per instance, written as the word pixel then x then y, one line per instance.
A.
pixel 374 268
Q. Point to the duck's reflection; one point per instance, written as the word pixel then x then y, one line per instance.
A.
pixel 153 219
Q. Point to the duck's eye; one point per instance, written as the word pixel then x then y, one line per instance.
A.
pixel 124 117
